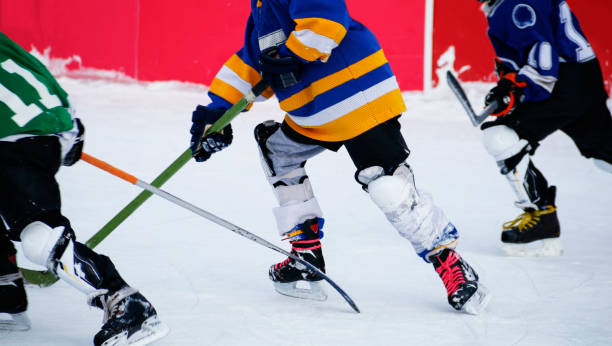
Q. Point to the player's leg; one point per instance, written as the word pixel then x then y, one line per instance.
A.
pixel 538 226
pixel 592 131
pixel 379 155
pixel 298 216
pixel 13 300
pixel 31 207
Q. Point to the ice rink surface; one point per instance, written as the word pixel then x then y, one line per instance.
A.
pixel 211 286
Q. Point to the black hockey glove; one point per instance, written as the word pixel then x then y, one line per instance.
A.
pixel 74 154
pixel 202 147
pixel 508 93
pixel 280 72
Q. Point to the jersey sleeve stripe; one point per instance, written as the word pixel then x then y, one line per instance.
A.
pixel 315 38
pixel 545 82
pixel 322 27
pixel 327 83
pixel 243 70
pixel 226 91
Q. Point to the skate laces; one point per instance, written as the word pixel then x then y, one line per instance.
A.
pixel 451 274
pixel 111 304
pixel 282 264
pixel 528 219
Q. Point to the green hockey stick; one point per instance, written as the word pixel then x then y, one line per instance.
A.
pixel 46 278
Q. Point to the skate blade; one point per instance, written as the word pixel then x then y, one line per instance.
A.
pixel 18 322
pixel 314 292
pixel 151 330
pixel 543 248
pixel 478 301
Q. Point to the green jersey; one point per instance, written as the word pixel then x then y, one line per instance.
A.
pixel 31 100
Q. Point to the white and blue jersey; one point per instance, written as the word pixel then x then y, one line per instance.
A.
pixel 533 37
pixel 347 85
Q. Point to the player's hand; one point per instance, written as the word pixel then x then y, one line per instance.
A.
pixel 74 154
pixel 280 72
pixel 202 147
pixel 508 93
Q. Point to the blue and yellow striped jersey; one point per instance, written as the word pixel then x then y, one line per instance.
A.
pixel 347 85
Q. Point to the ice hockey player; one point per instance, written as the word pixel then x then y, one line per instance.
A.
pixel 549 80
pixel 333 80
pixel 37 135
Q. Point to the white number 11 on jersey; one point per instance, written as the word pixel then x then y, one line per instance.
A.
pixel 24 113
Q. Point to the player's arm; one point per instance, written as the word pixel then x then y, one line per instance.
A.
pixel 320 26
pixel 234 80
pixel 239 74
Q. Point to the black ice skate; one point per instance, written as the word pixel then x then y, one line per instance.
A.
pixel 129 319
pixel 465 293
pixel 288 274
pixel 13 300
pixel 535 232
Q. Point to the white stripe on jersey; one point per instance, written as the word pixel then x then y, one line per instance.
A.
pixel 348 105
pixel 311 39
pixel 546 82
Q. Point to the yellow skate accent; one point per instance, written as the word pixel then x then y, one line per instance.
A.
pixel 528 219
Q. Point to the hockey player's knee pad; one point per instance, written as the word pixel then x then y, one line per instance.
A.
pixel 504 144
pixel 262 132
pixel 43 245
pixel 391 193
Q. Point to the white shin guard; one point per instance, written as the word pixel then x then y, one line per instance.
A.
pixel 296 201
pixel 412 212
pixel 40 245
pixel 503 143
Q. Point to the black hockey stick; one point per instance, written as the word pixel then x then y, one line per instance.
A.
pixel 476 119
pixel 219 221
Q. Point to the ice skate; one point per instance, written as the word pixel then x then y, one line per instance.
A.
pixel 465 293
pixel 292 278
pixel 13 299
pixel 535 232
pixel 129 319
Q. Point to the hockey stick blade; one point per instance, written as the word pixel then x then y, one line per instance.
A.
pixel 211 217
pixel 46 278
pixel 476 119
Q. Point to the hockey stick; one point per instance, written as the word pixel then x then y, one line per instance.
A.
pixel 219 221
pixel 476 119
pixel 46 278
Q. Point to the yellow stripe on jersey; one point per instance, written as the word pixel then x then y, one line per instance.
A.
pixel 314 38
pixel 243 70
pixel 323 27
pixel 327 83
pixel 303 51
pixel 226 91
pixel 356 122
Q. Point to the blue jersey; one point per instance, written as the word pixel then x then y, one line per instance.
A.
pixel 347 85
pixel 533 37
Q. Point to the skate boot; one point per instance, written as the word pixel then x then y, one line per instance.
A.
pixel 305 244
pixel 13 300
pixel 129 318
pixel 465 293
pixel 535 232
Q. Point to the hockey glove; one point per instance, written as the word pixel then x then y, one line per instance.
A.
pixel 280 72
pixel 508 94
pixel 74 154
pixel 501 69
pixel 202 147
